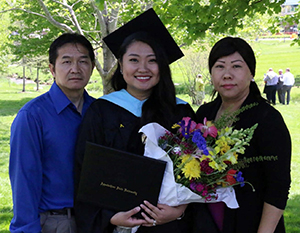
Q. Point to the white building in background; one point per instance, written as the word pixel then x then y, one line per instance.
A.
pixel 289 8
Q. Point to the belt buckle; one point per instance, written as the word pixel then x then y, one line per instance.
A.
pixel 64 211
pixel 58 212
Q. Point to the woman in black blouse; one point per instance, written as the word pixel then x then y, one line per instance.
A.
pixel 232 68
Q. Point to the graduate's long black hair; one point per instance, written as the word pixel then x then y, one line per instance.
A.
pixel 160 105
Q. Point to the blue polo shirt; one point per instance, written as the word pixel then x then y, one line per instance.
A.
pixel 42 143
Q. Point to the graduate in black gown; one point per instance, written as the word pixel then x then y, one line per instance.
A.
pixel 144 93
pixel 232 68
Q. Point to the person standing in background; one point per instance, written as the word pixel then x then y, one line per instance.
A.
pixel 199 88
pixel 288 82
pixel 280 86
pixel 42 142
pixel 271 80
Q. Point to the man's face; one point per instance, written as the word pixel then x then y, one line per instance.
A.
pixel 73 68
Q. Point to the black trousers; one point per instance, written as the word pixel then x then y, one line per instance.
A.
pixel 271 93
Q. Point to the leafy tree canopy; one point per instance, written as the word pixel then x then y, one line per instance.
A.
pixel 191 19
pixel 187 20
pixel 36 23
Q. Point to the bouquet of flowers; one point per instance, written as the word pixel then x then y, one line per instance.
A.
pixel 202 160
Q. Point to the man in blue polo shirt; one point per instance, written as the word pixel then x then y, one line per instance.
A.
pixel 43 137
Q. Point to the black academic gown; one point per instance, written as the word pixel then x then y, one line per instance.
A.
pixel 110 125
pixel 271 180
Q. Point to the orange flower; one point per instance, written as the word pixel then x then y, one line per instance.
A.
pixel 230 177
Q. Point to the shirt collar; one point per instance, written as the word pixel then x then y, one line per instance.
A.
pixel 61 101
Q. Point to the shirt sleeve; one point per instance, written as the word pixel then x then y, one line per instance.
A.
pixel 25 171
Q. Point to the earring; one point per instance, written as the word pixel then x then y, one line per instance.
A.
pixel 121 71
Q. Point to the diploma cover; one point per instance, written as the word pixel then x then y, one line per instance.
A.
pixel 119 180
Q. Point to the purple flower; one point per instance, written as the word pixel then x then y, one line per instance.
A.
pixel 193 185
pixel 185 126
pixel 200 141
pixel 239 178
pixel 200 187
pixel 205 193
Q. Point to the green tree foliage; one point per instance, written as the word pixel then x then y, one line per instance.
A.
pixel 4 39
pixel 38 22
pixel 35 31
pixel 193 18
pixel 256 26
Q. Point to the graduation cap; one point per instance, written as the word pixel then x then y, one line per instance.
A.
pixel 150 23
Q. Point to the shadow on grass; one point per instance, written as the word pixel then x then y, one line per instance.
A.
pixel 291 215
pixel 6 215
pixel 11 107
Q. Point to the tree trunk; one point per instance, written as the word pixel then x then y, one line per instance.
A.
pixel 37 78
pixel 24 78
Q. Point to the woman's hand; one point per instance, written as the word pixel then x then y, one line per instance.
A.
pixel 161 214
pixel 125 219
pixel 269 219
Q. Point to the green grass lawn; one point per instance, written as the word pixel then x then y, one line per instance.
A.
pixel 270 54
pixel 276 54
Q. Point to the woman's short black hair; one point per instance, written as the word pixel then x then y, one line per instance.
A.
pixel 228 46
pixel 73 38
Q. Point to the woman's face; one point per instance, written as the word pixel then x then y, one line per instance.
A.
pixel 231 77
pixel 140 70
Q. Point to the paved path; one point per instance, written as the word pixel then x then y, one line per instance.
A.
pixel 20 80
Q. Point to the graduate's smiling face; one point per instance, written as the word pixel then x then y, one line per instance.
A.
pixel 140 70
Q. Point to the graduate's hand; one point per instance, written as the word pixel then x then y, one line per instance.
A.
pixel 125 219
pixel 161 214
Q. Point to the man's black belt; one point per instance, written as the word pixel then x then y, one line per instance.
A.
pixel 64 211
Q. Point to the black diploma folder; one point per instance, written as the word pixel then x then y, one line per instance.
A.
pixel 119 180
